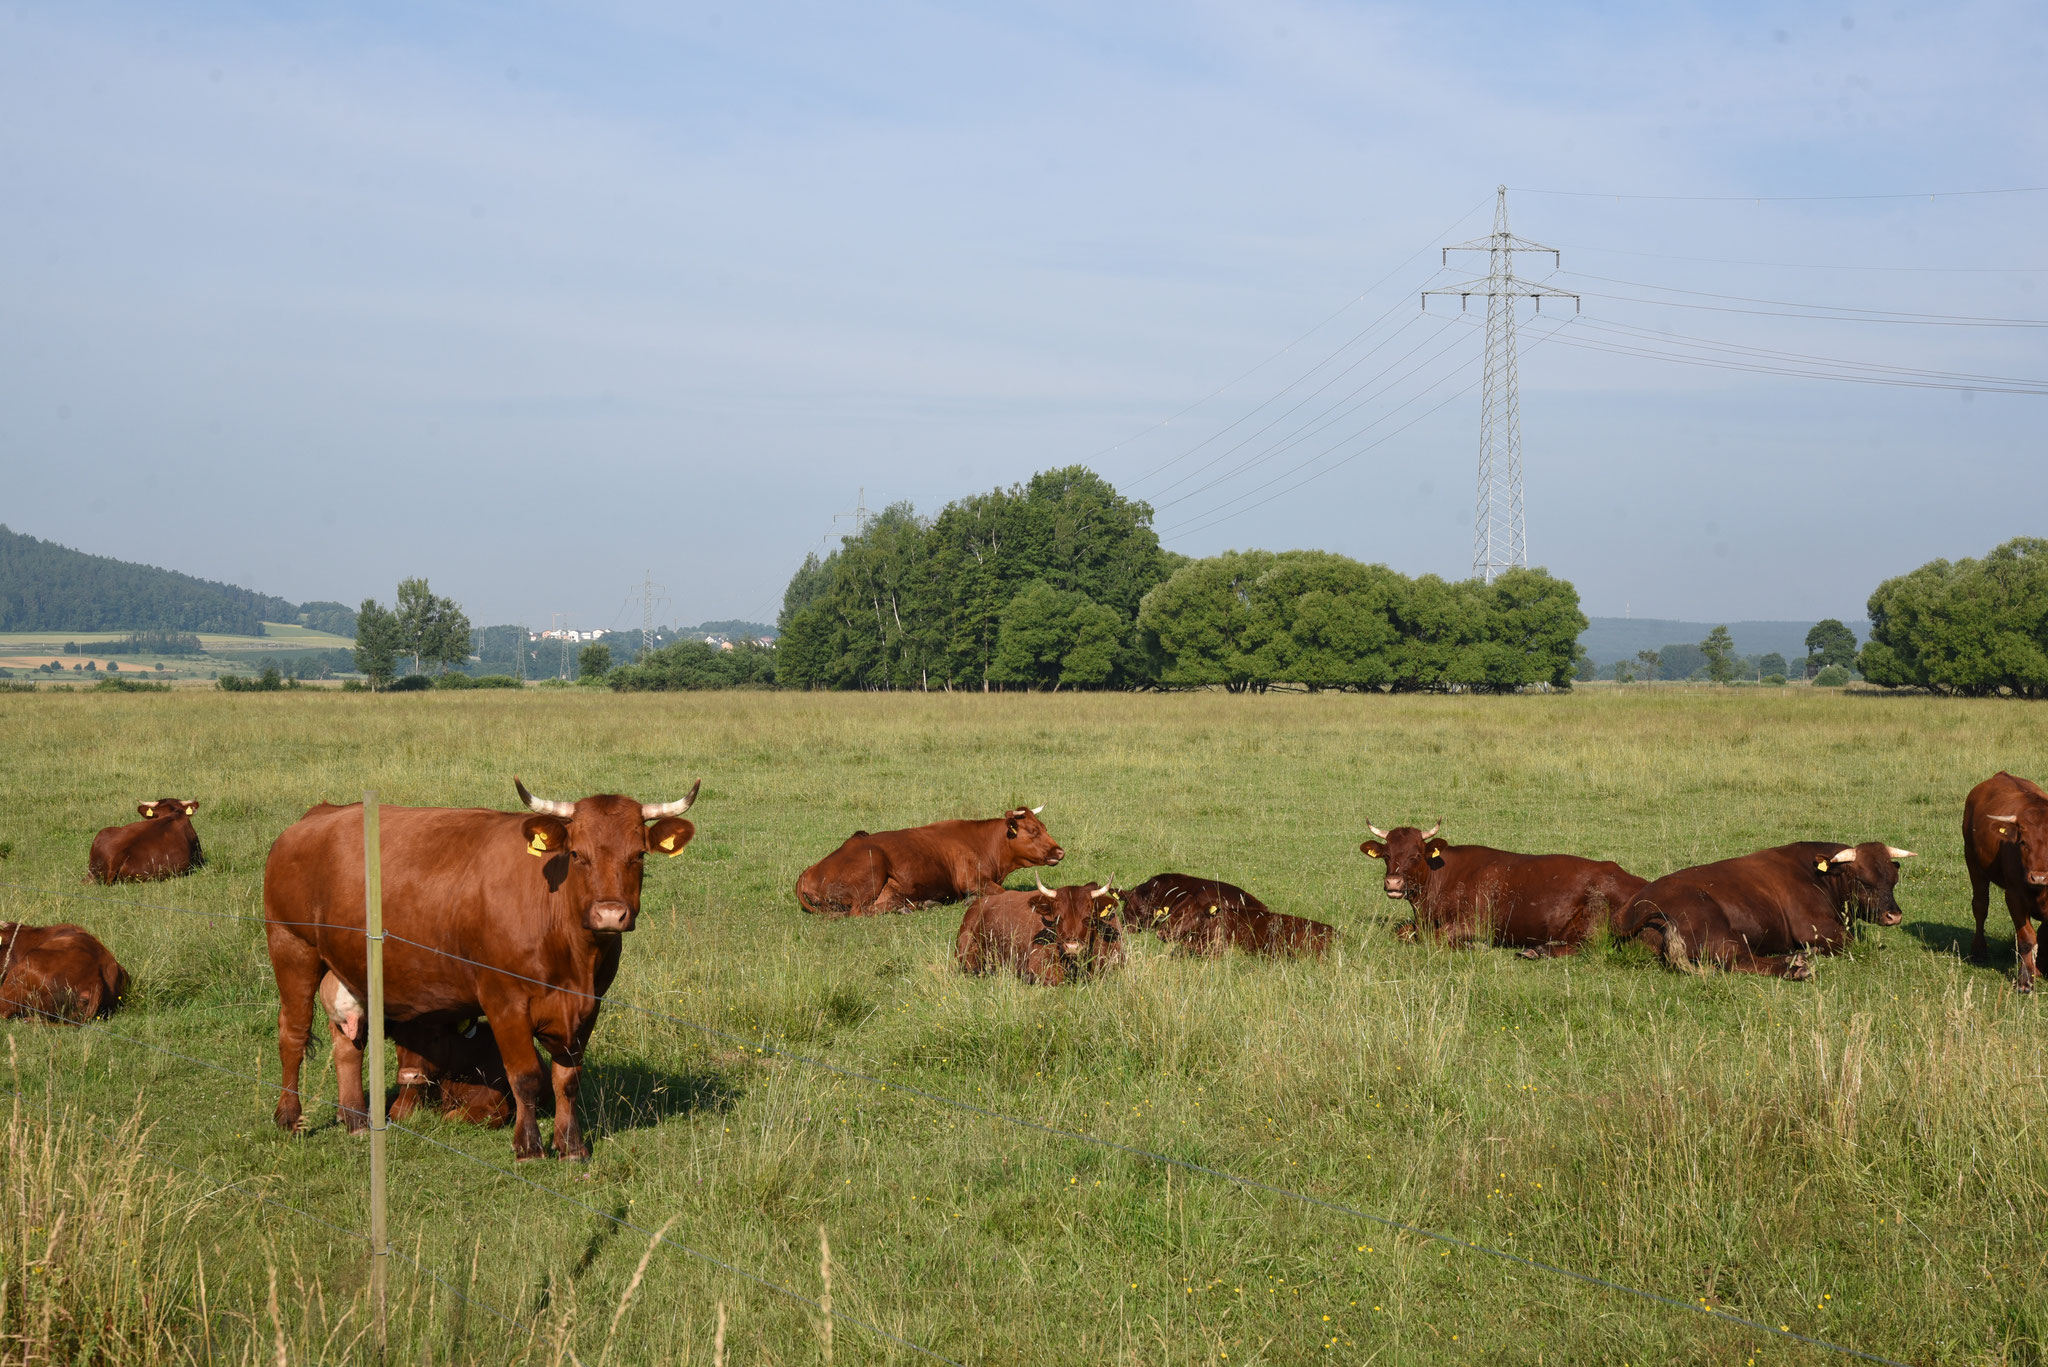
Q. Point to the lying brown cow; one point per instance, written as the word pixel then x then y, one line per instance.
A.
pixel 1045 937
pixel 925 865
pixel 1547 904
pixel 1203 916
pixel 60 974
pixel 545 899
pixel 1766 912
pixel 460 1074
pixel 161 845
pixel 2005 841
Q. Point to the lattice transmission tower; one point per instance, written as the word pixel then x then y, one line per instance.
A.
pixel 1499 539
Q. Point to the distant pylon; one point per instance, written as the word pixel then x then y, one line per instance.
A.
pixel 648 590
pixel 1499 538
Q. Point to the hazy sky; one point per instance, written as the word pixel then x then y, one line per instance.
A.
pixel 530 299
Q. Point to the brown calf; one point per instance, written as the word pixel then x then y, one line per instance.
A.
pixel 161 845
pixel 1204 916
pixel 460 1074
pixel 2005 841
pixel 60 974
pixel 1045 937
pixel 1546 904
pixel 925 865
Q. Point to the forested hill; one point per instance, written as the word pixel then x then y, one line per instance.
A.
pixel 47 587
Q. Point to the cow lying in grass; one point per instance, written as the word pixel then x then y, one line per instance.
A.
pixel 60 974
pixel 880 871
pixel 1547 905
pixel 456 1070
pixel 1767 912
pixel 1045 937
pixel 1204 916
pixel 161 845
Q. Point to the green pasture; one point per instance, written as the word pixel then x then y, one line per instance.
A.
pixel 1860 1159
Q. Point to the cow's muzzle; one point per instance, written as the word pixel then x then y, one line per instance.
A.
pixel 1056 855
pixel 2038 879
pixel 1397 888
pixel 1890 918
pixel 609 916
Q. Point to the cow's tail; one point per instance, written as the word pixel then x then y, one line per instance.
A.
pixel 1677 954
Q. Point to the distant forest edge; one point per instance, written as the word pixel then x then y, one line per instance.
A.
pixel 48 587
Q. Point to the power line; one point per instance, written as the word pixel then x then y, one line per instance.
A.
pixel 1345 308
pixel 1853 313
pixel 1784 199
pixel 1815 265
pixel 1968 380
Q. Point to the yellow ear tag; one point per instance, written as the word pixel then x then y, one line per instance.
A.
pixel 539 847
pixel 1212 911
pixel 151 811
pixel 668 842
pixel 2004 831
pixel 1820 865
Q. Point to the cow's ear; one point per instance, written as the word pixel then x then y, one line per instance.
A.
pixel 1435 853
pixel 544 835
pixel 1821 865
pixel 147 809
pixel 190 805
pixel 1010 819
pixel 1372 849
pixel 669 835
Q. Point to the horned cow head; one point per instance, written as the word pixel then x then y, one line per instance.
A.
pixel 595 850
pixel 2027 829
pixel 1410 855
pixel 1862 878
pixel 1030 843
pixel 165 808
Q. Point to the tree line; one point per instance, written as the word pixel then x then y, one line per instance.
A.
pixel 1062 583
pixel 1971 628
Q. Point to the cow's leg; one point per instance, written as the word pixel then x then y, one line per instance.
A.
pixel 566 1065
pixel 298 971
pixel 2024 942
pixel 348 1079
pixel 1980 904
pixel 511 1022
pixel 1796 967
pixel 1553 950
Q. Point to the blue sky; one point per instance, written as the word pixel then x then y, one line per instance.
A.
pixel 530 299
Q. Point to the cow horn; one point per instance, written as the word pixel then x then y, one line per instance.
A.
pixel 1376 830
pixel 1039 808
pixel 1106 890
pixel 655 811
pixel 546 806
pixel 1041 883
pixel 1844 857
pixel 2008 820
pixel 1432 830
pixel 1895 852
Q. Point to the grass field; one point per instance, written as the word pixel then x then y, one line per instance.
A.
pixel 1860 1158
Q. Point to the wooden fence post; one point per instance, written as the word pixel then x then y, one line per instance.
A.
pixel 373 925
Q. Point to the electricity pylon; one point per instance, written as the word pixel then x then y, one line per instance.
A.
pixel 1499 540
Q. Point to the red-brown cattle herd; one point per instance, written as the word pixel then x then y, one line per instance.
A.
pixel 505 928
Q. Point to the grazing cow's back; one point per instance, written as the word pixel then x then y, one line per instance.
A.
pixel 2005 841
pixel 1205 915
pixel 925 865
pixel 1545 904
pixel 1045 936
pixel 61 974
pixel 161 845
pixel 1765 912
pixel 529 909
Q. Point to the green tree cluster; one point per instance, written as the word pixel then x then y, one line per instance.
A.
pixel 1248 620
pixel 430 629
pixel 1972 628
pixel 1035 586
pixel 696 665
pixel 1830 642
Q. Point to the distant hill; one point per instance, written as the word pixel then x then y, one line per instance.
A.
pixel 48 587
pixel 1608 639
pixel 732 629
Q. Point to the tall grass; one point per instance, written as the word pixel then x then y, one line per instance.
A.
pixel 1856 1158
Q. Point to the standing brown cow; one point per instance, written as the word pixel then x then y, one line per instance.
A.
pixel 2005 841
pixel 1205 916
pixel 1766 912
pixel 161 845
pixel 925 865
pixel 459 1073
pixel 61 974
pixel 1046 936
pixel 1548 904
pixel 529 911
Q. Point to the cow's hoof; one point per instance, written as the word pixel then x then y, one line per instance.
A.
pixel 1799 970
pixel 1530 954
pixel 2023 986
pixel 1404 932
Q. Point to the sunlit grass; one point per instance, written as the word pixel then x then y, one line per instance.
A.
pixel 1856 1158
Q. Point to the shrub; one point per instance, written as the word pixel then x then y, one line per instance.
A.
pixel 129 686
pixel 1775 680
pixel 461 681
pixel 411 683
pixel 1833 676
